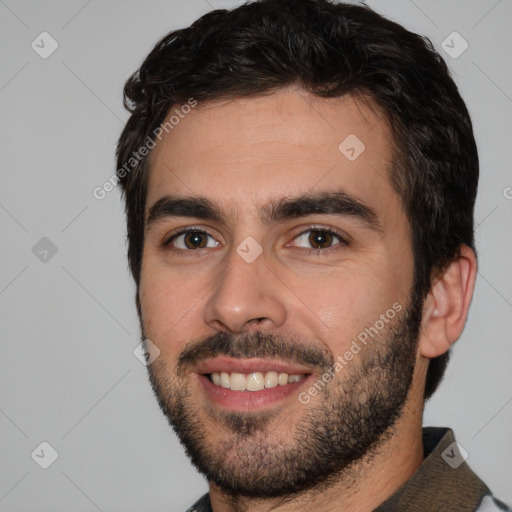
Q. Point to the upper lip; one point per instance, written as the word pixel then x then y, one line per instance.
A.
pixel 250 365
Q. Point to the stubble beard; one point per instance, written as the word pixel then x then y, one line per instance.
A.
pixel 351 418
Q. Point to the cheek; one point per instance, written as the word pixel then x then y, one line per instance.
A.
pixel 351 301
pixel 166 311
pixel 155 299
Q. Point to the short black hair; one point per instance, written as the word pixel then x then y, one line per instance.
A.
pixel 329 49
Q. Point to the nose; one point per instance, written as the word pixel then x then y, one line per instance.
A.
pixel 248 296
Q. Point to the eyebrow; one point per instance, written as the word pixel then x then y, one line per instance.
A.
pixel 320 203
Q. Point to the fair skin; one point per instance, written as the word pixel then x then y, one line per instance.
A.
pixel 241 154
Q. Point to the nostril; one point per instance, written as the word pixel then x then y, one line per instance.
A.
pixel 257 320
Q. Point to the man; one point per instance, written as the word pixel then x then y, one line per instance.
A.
pixel 300 178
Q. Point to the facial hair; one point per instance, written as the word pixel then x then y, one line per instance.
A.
pixel 354 415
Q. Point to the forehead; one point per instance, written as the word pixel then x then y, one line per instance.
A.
pixel 246 151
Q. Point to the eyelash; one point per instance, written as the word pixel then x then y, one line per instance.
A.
pixel 316 252
pixel 328 250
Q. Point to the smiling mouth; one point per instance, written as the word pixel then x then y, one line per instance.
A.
pixel 250 384
pixel 253 381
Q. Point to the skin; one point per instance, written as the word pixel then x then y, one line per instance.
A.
pixel 241 154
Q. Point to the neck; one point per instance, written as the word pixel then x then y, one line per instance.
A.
pixel 361 488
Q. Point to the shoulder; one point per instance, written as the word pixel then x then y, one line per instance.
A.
pixel 201 505
pixel 490 504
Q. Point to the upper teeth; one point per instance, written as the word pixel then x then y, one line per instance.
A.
pixel 253 381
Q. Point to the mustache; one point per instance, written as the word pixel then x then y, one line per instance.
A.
pixel 254 344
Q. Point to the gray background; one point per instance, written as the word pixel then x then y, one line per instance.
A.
pixel 68 375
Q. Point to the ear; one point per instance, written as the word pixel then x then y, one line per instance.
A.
pixel 446 306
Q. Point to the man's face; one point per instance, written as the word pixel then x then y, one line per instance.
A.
pixel 266 285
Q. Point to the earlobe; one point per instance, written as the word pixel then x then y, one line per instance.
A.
pixel 446 307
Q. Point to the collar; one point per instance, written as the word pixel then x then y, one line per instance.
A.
pixel 443 481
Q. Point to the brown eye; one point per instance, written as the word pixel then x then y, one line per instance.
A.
pixel 191 240
pixel 320 238
pixel 194 240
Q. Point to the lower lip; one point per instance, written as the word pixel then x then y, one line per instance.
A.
pixel 248 400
